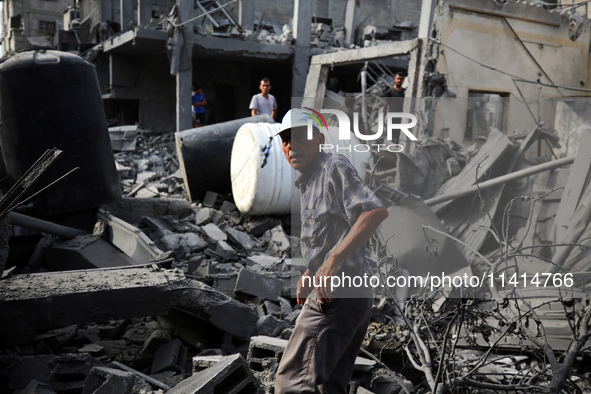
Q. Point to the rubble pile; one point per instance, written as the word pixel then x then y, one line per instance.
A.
pixel 151 169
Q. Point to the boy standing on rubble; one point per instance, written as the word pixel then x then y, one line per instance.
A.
pixel 263 103
pixel 339 214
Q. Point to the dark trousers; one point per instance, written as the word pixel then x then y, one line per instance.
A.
pixel 321 352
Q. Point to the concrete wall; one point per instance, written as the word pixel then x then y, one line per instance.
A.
pixel 485 38
pixel 31 11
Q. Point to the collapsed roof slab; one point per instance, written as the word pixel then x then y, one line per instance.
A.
pixel 136 42
pixel 32 303
pixel 395 48
pixel 147 41
pixel 211 45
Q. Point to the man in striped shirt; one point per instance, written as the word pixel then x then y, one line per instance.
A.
pixel 339 214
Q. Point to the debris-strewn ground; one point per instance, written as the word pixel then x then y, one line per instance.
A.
pixel 227 296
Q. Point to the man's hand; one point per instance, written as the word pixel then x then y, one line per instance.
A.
pixel 304 287
pixel 323 276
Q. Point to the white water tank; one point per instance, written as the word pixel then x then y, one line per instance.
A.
pixel 268 190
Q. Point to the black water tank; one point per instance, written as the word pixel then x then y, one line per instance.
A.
pixel 52 99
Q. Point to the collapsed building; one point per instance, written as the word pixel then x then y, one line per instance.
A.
pixel 194 294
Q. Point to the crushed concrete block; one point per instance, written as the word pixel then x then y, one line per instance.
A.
pixel 260 224
pixel 36 387
pixel 262 346
pixel 109 380
pixel 192 242
pixel 213 233
pixel 240 239
pixel 84 252
pixel 258 285
pixel 265 261
pixel 277 241
pixel 170 356
pixel 203 216
pixel 203 362
pixel 227 207
pixel 264 355
pixel 225 268
pixel 92 348
pixel 286 334
pixel 231 375
pixel 225 282
pixel 286 308
pixel 56 299
pixel 226 251
pixel 292 317
pixel 270 326
pixel 272 309
pixel 214 307
pixel 156 340
pixel 212 199
pixel 198 265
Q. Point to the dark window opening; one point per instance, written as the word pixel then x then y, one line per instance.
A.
pixel 47 26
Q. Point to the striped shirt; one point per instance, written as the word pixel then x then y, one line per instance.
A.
pixel 333 197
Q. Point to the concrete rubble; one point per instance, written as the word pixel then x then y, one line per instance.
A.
pixel 171 289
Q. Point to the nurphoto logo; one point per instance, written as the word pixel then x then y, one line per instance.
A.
pixel 394 121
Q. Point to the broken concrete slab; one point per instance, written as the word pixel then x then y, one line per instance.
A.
pixel 214 307
pixel 292 317
pixel 272 309
pixel 212 200
pixel 204 216
pixel 270 326
pixel 171 355
pixel 192 241
pixel 84 252
pixel 203 362
pixel 129 239
pixel 108 380
pixel 227 208
pixel 258 225
pixel 226 251
pixel 36 302
pixel 277 241
pixel 231 375
pixel 213 233
pixel 131 210
pixel 240 239
pixel 286 307
pixel 258 285
pixel 224 282
pixel 265 261
pixel 157 338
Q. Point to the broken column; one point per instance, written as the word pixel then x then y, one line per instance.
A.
pixel 36 302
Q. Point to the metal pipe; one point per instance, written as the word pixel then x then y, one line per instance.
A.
pixel 502 179
pixel 141 375
pixel 18 219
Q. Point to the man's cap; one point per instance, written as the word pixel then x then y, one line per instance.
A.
pixel 295 118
